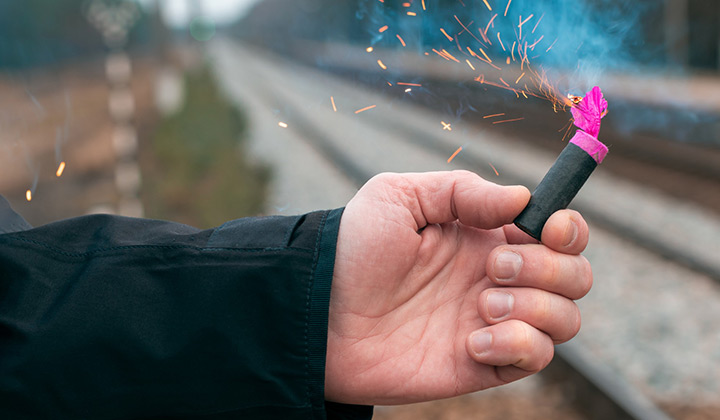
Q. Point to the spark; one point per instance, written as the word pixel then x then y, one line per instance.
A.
pixel 470 64
pixel 28 195
pixel 518 79
pixel 486 56
pixel 406 4
pixel 446 55
pixel 409 84
pixel 507 121
pixel 501 43
pixel 488 5
pixel 532 47
pixel 538 22
pixel 507 7
pixel 487 28
pixel 522 22
pixel 507 60
pixel 401 40
pixel 465 28
pixel 493 166
pixel 494 115
pixel 551 45
pixel 365 109
pixel 411 14
pixel 454 154
pixel 382 66
pixel 369 49
pixel 60 169
pixel 332 101
pixel 504 82
pixel 446 34
pixel 408 90
pixel 282 124
pixel 383 29
pixel 423 4
pixel 446 126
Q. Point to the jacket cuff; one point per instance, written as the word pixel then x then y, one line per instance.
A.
pixel 318 324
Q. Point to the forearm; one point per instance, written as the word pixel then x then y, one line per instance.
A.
pixel 104 316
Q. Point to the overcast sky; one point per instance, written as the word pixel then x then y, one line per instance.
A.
pixel 177 12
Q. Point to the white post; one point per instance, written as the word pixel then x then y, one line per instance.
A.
pixel 114 19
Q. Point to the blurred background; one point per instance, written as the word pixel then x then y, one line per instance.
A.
pixel 203 111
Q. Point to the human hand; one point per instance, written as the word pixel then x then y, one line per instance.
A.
pixel 416 308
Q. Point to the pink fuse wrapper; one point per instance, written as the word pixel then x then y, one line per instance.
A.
pixel 587 116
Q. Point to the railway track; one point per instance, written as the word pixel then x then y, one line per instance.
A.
pixel 598 392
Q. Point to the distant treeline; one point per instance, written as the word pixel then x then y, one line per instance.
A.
pixel 39 32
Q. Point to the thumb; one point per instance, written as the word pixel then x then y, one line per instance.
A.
pixel 441 197
pixel 487 205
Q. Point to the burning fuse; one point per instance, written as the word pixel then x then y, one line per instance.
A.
pixel 572 168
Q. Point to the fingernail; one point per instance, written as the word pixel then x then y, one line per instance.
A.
pixel 480 342
pixel 571 232
pixel 507 265
pixel 499 304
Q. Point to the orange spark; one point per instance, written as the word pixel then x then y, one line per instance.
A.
pixel 423 4
pixel 401 40
pixel 332 100
pixel 369 49
pixel 409 84
pixel 365 109
pixel 522 22
pixel 518 79
pixel 470 64
pixel 411 14
pixel 486 56
pixel 508 60
pixel 538 22
pixel 532 47
pixel 488 5
pixel 551 45
pixel 28 195
pixel 60 169
pixel 406 4
pixel 504 82
pixel 454 154
pixel 512 50
pixel 492 166
pixel 494 115
pixel 382 66
pixel 507 121
pixel 282 124
pixel 446 126
pixel 383 29
pixel 466 29
pixel 507 7
pixel 501 43
pixel 490 23
pixel 446 34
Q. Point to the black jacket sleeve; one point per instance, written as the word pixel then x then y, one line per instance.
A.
pixel 105 317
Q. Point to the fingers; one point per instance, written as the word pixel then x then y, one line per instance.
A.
pixel 540 267
pixel 511 343
pixel 556 316
pixel 441 197
pixel 566 231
